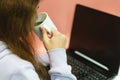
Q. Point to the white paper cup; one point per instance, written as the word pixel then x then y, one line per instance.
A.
pixel 45 22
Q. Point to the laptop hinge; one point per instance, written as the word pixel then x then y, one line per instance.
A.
pixel 91 60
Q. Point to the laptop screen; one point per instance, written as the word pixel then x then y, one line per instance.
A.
pixel 97 35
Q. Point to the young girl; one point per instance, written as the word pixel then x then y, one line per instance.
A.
pixel 17 56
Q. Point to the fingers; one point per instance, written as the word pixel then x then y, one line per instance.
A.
pixel 57 39
pixel 44 34
pixel 54 32
pixel 47 35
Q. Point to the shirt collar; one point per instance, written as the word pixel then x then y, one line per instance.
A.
pixel 3 49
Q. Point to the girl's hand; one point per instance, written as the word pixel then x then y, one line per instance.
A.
pixel 53 40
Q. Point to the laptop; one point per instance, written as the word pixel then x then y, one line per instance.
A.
pixel 94 50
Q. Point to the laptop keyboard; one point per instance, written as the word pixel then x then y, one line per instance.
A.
pixel 83 72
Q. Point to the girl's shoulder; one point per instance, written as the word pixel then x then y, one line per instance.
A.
pixel 11 66
pixel 12 61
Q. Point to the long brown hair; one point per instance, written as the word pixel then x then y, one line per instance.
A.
pixel 17 19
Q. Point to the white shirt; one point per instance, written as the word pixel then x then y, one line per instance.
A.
pixel 14 68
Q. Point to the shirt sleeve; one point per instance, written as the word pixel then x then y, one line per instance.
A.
pixel 59 69
pixel 43 58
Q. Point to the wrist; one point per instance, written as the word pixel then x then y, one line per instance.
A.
pixel 57 57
